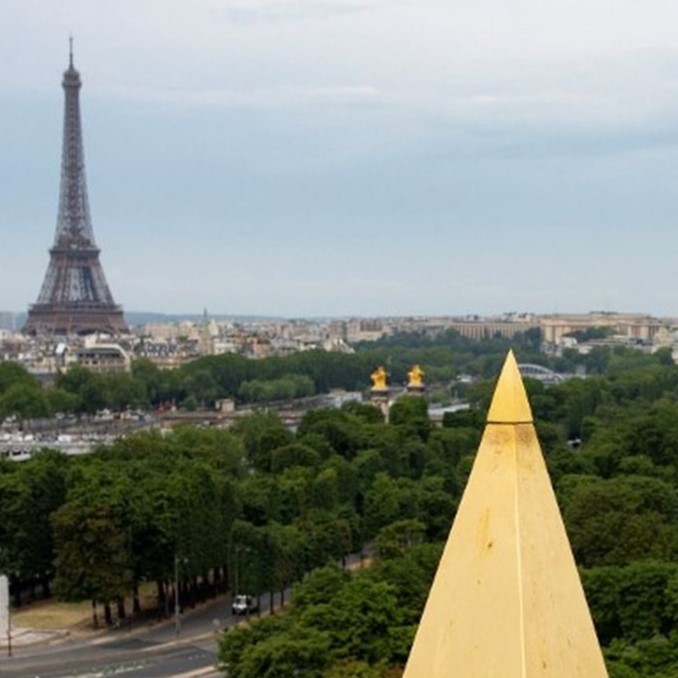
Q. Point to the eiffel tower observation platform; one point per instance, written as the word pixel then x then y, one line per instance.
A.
pixel 75 297
pixel 71 319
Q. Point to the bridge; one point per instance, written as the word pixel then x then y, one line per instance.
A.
pixel 540 373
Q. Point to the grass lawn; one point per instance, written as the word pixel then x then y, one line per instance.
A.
pixel 54 614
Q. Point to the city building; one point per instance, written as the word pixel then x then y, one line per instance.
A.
pixel 636 327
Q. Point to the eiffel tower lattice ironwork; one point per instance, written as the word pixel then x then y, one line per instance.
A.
pixel 75 297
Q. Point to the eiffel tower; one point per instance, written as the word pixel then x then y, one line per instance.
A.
pixel 74 298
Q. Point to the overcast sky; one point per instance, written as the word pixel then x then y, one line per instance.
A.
pixel 351 157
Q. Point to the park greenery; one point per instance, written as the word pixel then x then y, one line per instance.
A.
pixel 200 383
pixel 258 508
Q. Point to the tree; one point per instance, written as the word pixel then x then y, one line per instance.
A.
pixel 13 373
pixel 326 537
pixel 202 385
pixel 87 386
pixel 319 586
pixel 43 483
pixel 286 387
pixel 262 433
pixel 353 668
pixel 25 400
pixel 294 454
pixel 123 391
pixel 410 575
pixel 395 539
pixel 93 559
pixel 250 561
pixel 153 381
pixel 286 544
pixel 61 401
pixel 411 412
pixel 282 655
pixel 382 504
pixel 344 432
pixel 363 617
pixel 367 412
pixel 616 521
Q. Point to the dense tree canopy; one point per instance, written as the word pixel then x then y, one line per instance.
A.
pixel 260 506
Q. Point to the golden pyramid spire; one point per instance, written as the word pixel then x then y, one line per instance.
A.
pixel 509 404
pixel 506 601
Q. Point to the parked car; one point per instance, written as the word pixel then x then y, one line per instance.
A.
pixel 243 604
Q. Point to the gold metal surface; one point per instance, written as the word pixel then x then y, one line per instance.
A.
pixel 509 404
pixel 379 377
pixel 415 377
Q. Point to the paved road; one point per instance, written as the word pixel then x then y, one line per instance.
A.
pixel 145 652
pixel 154 652
pixel 131 657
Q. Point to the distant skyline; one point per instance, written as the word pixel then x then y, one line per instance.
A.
pixel 302 158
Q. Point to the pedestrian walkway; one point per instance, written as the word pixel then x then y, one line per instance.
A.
pixel 27 637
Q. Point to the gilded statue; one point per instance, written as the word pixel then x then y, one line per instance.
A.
pixel 379 379
pixel 415 376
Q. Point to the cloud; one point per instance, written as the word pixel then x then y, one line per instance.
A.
pixel 252 98
pixel 301 127
pixel 564 62
pixel 272 11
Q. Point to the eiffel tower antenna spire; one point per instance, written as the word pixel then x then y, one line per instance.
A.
pixel 74 298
